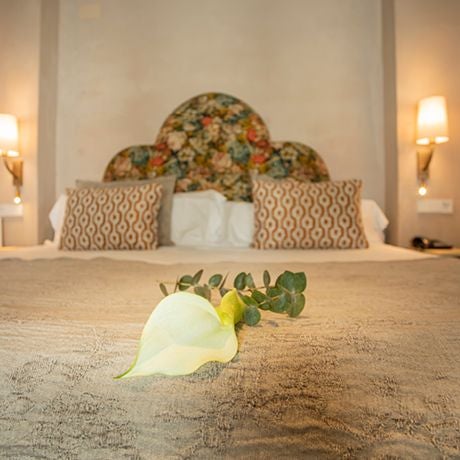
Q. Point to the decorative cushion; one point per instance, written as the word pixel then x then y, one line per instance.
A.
pixel 164 218
pixel 112 218
pixel 291 214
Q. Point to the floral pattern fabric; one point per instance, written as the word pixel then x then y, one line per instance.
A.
pixel 294 160
pixel 216 141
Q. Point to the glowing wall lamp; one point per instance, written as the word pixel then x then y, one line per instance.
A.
pixel 9 151
pixel 432 129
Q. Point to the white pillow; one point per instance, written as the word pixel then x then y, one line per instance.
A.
pixel 374 220
pixel 239 223
pixel 207 219
pixel 56 217
pixel 197 218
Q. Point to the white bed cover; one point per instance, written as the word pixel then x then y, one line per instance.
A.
pixel 170 255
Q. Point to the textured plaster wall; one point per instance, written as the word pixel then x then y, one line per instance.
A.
pixel 427 62
pixel 19 69
pixel 49 22
pixel 312 69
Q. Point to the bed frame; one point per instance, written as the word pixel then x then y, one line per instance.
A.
pixel 216 141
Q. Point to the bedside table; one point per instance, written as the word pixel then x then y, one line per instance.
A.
pixel 9 210
pixel 454 252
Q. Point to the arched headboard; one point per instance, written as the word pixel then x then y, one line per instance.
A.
pixel 216 141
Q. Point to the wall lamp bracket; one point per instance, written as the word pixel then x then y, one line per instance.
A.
pixel 424 158
pixel 9 136
pixel 14 166
pixel 432 129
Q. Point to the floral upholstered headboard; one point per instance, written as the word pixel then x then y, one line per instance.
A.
pixel 216 141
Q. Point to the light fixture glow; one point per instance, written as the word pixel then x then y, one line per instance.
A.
pixel 422 190
pixel 432 126
pixel 9 151
pixel 8 133
pixel 432 129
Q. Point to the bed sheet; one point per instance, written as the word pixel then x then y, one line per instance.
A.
pixel 171 255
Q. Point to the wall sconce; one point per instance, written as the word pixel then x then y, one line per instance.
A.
pixel 9 151
pixel 432 129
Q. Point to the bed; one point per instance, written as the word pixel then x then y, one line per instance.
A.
pixel 369 370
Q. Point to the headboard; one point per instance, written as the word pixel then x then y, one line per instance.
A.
pixel 216 141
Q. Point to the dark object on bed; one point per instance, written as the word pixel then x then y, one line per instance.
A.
pixel 422 242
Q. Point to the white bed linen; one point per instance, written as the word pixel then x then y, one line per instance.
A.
pixel 207 218
pixel 170 255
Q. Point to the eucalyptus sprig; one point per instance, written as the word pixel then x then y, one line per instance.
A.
pixel 185 330
pixel 286 295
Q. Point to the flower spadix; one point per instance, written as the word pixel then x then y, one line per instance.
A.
pixel 184 332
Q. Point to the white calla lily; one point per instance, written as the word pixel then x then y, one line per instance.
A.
pixel 184 332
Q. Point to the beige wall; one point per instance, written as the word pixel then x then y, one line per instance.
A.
pixel 427 55
pixel 49 24
pixel 311 68
pixel 390 120
pixel 19 68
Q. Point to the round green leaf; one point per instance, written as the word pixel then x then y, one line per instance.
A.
pixel 203 291
pixel 197 276
pixel 163 289
pixel 250 281
pixel 215 280
pixel 251 315
pixel 248 300
pixel 240 281
pixel 300 282
pixel 273 292
pixel 264 306
pixel 185 282
pixel 286 281
pixel 297 306
pixel 266 279
pixel 259 296
pixel 279 304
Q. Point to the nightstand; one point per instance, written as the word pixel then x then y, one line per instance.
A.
pixel 454 252
pixel 8 210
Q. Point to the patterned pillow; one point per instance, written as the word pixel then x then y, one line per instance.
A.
pixel 112 218
pixel 291 214
pixel 164 217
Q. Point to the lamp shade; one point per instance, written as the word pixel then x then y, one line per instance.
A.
pixel 8 134
pixel 432 121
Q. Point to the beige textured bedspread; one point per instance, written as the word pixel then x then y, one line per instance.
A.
pixel 371 369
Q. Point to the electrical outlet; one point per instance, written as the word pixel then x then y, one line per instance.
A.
pixel 435 206
pixel 10 210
